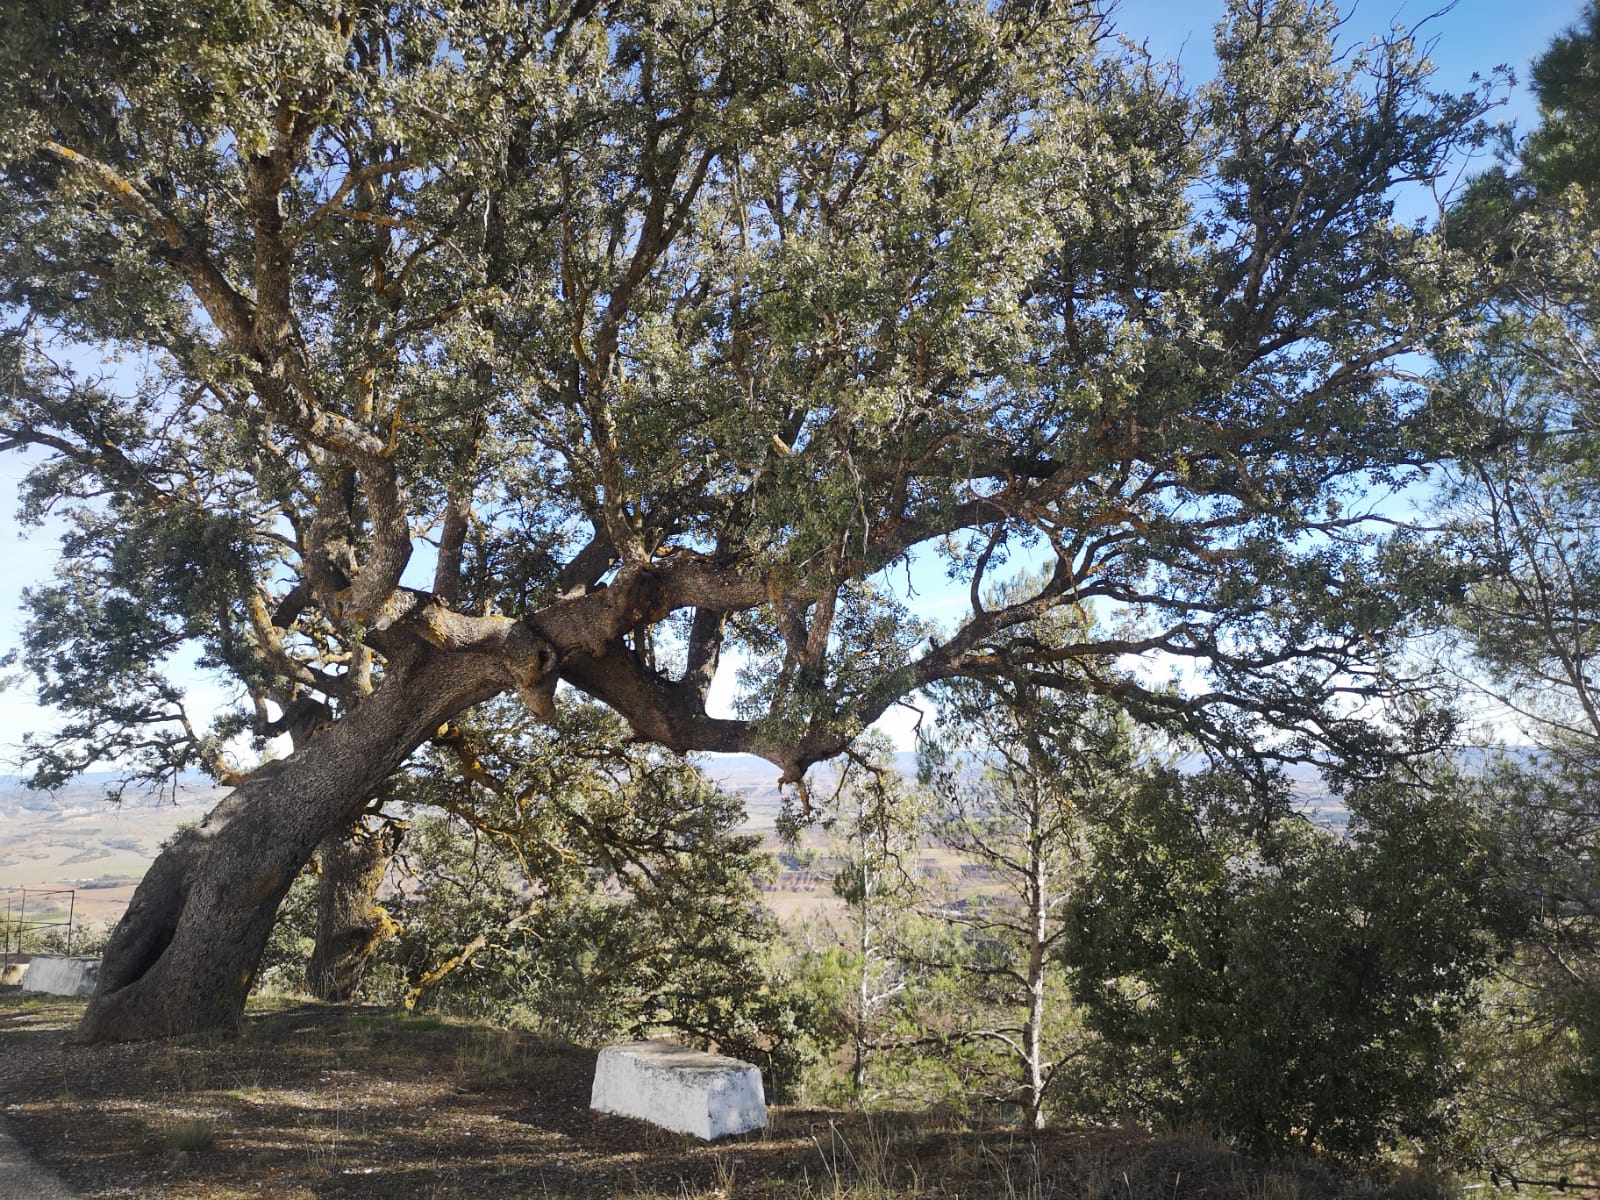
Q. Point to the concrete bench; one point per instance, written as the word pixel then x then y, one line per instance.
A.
pixel 687 1091
pixel 58 975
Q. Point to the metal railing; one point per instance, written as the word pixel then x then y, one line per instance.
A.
pixel 16 926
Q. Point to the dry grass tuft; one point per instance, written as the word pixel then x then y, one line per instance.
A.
pixel 191 1136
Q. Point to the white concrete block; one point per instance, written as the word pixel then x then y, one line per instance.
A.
pixel 58 975
pixel 684 1090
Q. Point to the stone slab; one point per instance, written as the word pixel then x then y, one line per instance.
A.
pixel 687 1091
pixel 59 975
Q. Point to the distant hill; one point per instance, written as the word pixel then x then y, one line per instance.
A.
pixel 757 781
pixel 92 789
pixel 73 838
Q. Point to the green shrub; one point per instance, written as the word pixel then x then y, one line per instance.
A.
pixel 1275 982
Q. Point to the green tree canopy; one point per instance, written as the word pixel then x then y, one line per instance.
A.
pixel 485 346
pixel 1565 148
pixel 1524 519
pixel 1277 982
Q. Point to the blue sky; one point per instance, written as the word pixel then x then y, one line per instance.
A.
pixel 1472 36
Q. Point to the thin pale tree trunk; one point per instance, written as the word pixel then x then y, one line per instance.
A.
pixel 1033 1065
pixel 858 1069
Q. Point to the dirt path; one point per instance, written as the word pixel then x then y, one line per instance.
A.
pixel 22 1178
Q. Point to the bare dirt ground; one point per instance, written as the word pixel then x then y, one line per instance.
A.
pixel 321 1101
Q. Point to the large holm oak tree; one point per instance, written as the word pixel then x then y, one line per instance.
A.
pixel 400 355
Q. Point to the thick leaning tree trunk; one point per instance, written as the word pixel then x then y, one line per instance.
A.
pixel 183 956
pixel 351 924
pixel 185 953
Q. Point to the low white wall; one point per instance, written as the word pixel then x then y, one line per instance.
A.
pixel 684 1090
pixel 58 975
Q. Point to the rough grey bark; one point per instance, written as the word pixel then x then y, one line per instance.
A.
pixel 184 955
pixel 351 924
